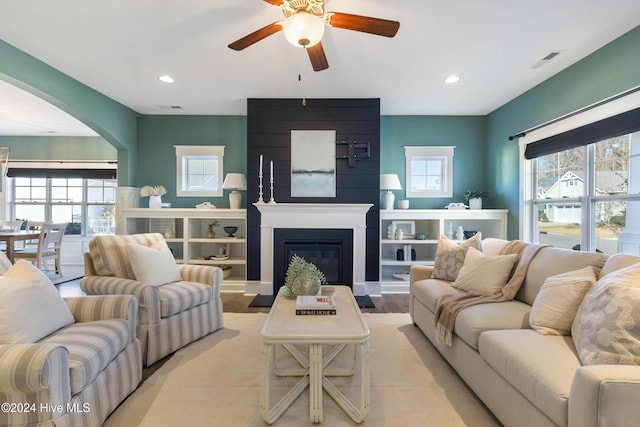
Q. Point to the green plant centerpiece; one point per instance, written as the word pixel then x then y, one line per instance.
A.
pixel 303 278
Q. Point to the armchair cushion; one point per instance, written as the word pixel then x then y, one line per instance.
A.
pixel 91 346
pixel 25 289
pixel 178 296
pixel 110 255
pixel 153 264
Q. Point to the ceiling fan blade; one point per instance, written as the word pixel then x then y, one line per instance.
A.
pixel 274 2
pixel 365 24
pixel 256 36
pixel 317 57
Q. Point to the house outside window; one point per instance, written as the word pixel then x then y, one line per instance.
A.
pixel 429 171
pixel 199 170
pixel 87 204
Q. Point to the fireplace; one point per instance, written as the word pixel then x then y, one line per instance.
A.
pixel 320 218
pixel 331 250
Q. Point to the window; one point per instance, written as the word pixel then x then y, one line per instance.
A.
pixel 87 204
pixel 429 171
pixel 585 195
pixel 199 170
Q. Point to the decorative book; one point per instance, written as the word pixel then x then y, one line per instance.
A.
pixel 315 305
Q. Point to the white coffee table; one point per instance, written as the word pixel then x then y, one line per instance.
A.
pixel 347 327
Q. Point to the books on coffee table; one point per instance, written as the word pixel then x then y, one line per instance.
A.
pixel 315 305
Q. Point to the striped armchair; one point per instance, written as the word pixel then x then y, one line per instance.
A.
pixel 77 375
pixel 170 316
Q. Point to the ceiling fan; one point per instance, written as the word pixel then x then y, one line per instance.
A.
pixel 304 25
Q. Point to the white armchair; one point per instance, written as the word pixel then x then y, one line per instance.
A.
pixel 170 315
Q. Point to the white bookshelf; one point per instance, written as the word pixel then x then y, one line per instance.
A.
pixel 432 223
pixel 185 232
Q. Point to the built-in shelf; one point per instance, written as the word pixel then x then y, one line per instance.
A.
pixel 432 223
pixel 185 232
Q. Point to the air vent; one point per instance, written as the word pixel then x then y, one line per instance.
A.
pixel 546 59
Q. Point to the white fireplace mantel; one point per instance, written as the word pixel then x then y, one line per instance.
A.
pixel 313 216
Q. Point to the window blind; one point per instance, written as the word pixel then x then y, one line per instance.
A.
pixel 610 127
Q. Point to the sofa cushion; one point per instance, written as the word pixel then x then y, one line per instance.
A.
pixel 606 329
pixel 429 291
pixel 31 307
pixel 540 367
pixel 474 320
pixel 551 261
pixel 110 255
pixel 482 274
pixel 617 262
pixel 492 246
pixel 557 302
pixel 155 264
pixel 450 257
pixel 179 296
pixel 91 346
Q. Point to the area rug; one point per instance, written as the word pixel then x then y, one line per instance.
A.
pixel 214 382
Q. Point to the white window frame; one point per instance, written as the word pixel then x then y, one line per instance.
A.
pixel 528 216
pixel 184 151
pixel 443 154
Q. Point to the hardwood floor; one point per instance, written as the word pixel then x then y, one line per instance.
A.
pixel 237 302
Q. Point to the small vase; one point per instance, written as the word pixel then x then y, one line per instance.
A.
pixel 210 233
pixel 475 203
pixel 155 202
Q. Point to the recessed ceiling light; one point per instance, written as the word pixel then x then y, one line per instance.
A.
pixel 166 78
pixel 452 79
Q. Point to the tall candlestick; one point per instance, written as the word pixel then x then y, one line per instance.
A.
pixel 260 199
pixel 272 199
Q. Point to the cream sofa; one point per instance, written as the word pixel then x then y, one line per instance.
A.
pixel 525 378
pixel 170 315
pixel 77 375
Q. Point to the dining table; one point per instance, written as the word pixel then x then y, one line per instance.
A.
pixel 11 237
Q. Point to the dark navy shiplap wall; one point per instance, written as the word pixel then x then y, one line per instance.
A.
pixel 269 126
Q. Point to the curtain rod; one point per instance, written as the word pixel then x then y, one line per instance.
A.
pixel 575 113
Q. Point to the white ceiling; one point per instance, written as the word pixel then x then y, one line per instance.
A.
pixel 120 47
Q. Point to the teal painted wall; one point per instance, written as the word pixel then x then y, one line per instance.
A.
pixel 110 119
pixel 157 136
pixel 466 133
pixel 608 71
pixel 58 148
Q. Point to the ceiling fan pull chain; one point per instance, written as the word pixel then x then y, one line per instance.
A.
pixel 302 59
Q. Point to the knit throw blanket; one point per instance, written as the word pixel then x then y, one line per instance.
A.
pixel 449 306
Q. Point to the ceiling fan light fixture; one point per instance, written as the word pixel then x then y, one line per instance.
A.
pixel 303 29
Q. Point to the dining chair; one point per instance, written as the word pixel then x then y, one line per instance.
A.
pixel 48 247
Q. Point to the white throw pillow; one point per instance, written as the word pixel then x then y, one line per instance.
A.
pixel 557 303
pixel 482 274
pixel 606 330
pixel 450 256
pixel 30 306
pixel 153 264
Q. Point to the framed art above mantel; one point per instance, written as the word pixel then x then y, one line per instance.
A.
pixel 313 163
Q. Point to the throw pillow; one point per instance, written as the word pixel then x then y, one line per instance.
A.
pixel 557 303
pixel 30 306
pixel 153 264
pixel 606 330
pixel 450 256
pixel 482 274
